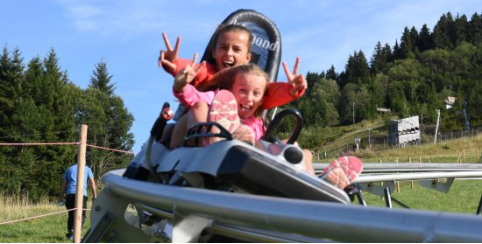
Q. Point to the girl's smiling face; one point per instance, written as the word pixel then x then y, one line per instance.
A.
pixel 248 89
pixel 232 48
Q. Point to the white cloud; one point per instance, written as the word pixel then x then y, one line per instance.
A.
pixel 83 12
pixel 126 19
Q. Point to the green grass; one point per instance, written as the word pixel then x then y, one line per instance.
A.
pixel 463 197
pixel 51 229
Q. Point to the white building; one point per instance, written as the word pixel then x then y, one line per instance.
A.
pixel 404 131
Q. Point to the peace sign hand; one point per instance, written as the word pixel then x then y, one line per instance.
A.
pixel 169 56
pixel 298 81
pixel 186 75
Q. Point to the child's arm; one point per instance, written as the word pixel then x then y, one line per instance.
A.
pixel 191 95
pixel 280 93
pixel 172 64
pixel 186 93
pixel 204 74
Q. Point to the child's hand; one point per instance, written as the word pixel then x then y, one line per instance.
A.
pixel 244 133
pixel 186 75
pixel 298 81
pixel 169 56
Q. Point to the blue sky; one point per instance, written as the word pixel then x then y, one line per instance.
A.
pixel 127 36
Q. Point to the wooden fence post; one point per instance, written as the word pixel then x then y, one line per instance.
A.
pixel 79 195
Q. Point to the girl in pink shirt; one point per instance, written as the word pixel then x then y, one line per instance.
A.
pixel 235 105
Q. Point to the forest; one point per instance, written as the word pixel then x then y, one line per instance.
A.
pixel 38 103
pixel 413 77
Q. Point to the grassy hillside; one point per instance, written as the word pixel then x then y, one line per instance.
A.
pixel 340 141
pixel 462 150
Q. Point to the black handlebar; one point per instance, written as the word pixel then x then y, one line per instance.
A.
pixel 277 119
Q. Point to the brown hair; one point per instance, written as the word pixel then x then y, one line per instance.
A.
pixel 225 79
pixel 233 27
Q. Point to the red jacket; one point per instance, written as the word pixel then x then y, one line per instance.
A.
pixel 277 93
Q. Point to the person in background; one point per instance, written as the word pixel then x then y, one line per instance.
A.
pixel 69 186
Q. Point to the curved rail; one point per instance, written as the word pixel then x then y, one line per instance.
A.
pixel 314 219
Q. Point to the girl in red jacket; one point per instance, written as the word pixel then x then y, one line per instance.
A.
pixel 232 47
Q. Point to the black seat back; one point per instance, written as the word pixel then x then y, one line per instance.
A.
pixel 266 50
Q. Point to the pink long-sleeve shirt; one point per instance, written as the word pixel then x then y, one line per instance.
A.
pixel 191 95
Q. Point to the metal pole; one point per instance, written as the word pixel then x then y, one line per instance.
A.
pixel 466 117
pixel 398 182
pixel 436 126
pixel 353 115
pixel 411 182
pixel 388 200
pixel 79 195
pixel 479 208
pixel 369 141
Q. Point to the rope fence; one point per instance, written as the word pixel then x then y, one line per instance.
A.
pixel 38 143
pixel 62 143
pixel 111 149
pixel 39 216
pixel 82 145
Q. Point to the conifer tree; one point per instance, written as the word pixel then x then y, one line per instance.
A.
pixel 406 44
pixel 380 58
pixel 474 33
pixel 11 75
pixel 357 70
pixel 415 38
pixel 311 78
pixel 101 79
pixel 110 121
pixel 375 60
pixel 441 32
pixel 460 28
pixel 331 74
pixel 426 39
pixel 7 89
pixel 397 52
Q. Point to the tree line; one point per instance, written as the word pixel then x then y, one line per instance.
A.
pixel 413 77
pixel 38 103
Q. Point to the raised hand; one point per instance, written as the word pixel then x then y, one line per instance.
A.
pixel 169 56
pixel 186 75
pixel 298 81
